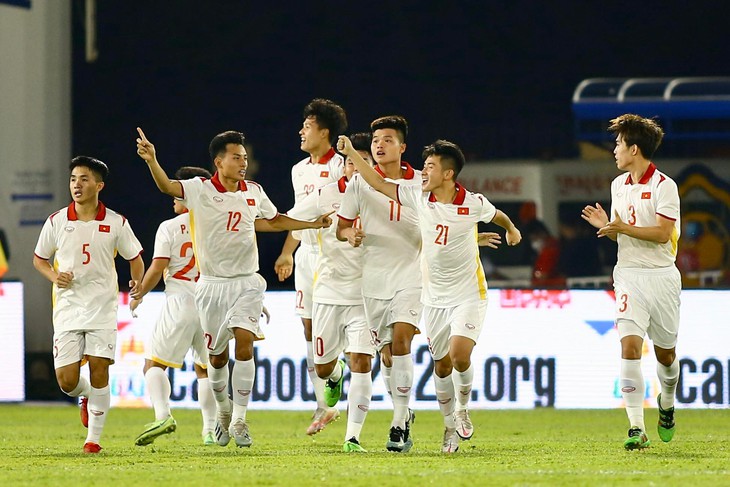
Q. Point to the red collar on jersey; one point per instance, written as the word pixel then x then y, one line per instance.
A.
pixel 342 184
pixel 222 189
pixel 646 177
pixel 73 216
pixel 458 199
pixel 325 158
pixel 409 172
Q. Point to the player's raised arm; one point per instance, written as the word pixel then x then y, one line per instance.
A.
pixel 366 171
pixel 146 150
pixel 283 222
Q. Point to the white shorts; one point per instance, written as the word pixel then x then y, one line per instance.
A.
pixel 71 346
pixel 647 302
pixel 464 320
pixel 177 330
pixel 404 307
pixel 339 328
pixel 224 304
pixel 305 263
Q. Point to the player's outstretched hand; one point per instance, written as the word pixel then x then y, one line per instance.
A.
pixel 355 237
pixel 145 148
pixel 344 145
pixel 64 279
pixel 489 239
pixel 284 266
pixel 513 236
pixel 324 221
pixel 595 215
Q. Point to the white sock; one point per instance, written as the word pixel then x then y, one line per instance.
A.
pixel 632 390
pixel 462 386
pixel 402 381
pixel 218 380
pixel 207 405
pixel 158 387
pixel 83 388
pixel 668 377
pixel 99 400
pixel 358 402
pixel 244 372
pixel 336 373
pixel 386 371
pixel 445 394
pixel 317 383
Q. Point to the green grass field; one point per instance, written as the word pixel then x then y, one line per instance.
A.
pixel 41 445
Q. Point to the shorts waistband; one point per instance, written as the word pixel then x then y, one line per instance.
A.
pixel 204 278
pixel 649 270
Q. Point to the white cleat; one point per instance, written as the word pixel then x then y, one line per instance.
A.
pixel 464 426
pixel 239 431
pixel 451 441
pixel 322 417
pixel 222 425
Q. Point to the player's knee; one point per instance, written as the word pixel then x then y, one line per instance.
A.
pixel 360 363
pixel 218 361
pixel 460 363
pixel 442 368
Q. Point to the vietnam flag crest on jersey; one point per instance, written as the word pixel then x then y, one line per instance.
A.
pixel 462 211
pixel 324 174
pixel 251 202
pixel 104 228
pixel 646 196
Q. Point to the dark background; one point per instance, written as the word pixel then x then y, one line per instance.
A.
pixel 495 77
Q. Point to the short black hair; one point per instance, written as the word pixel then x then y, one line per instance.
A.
pixel 329 115
pixel 97 167
pixel 361 141
pixel 395 122
pixel 190 172
pixel 220 141
pixel 450 154
pixel 634 129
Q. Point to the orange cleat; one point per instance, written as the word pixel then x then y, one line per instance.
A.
pixel 90 447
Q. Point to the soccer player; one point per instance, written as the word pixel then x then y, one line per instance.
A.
pixel 392 248
pixel 338 323
pixel 455 289
pixel 229 293
pixel 323 121
pixel 647 284
pixel 83 240
pixel 178 327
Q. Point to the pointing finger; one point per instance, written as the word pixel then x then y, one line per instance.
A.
pixel 141 134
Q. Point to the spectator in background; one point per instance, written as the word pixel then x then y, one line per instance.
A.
pixel 546 271
pixel 4 254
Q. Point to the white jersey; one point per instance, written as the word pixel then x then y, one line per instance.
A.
pixel 173 243
pixel 307 176
pixel 639 204
pixel 392 243
pixel 222 225
pixel 338 277
pixel 87 249
pixel 453 272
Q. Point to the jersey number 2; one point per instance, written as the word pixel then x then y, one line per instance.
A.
pixel 191 263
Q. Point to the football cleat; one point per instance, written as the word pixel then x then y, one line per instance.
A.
pixel 451 441
pixel 666 425
pixel 209 439
pixel 637 440
pixel 239 431
pixel 321 418
pixel 353 446
pixel 155 429
pixel 464 426
pixel 90 447
pixel 222 424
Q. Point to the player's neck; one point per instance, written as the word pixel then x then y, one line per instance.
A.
pixel 87 210
pixel 319 153
pixel 391 169
pixel 445 193
pixel 231 184
pixel 638 169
